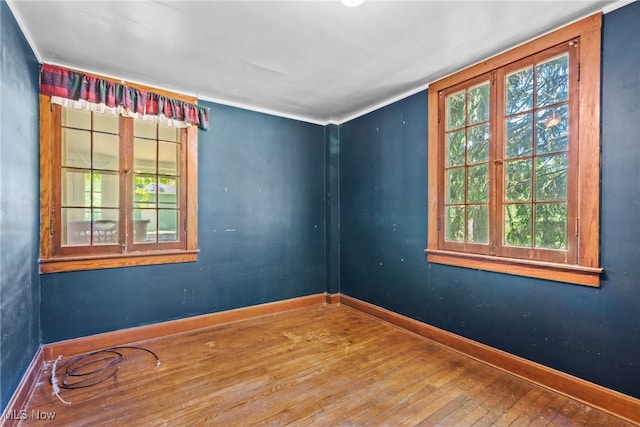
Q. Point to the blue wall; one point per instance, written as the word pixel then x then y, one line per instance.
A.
pixel 332 179
pixel 261 234
pixel 19 205
pixel 590 333
pixel 289 209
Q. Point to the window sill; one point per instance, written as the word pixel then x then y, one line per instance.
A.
pixel 96 262
pixel 575 274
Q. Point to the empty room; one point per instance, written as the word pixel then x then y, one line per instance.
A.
pixel 326 213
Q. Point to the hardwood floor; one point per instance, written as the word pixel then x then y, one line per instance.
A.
pixel 319 365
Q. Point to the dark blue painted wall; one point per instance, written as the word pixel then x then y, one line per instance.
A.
pixel 332 178
pixel 19 205
pixel 268 232
pixel 590 333
pixel 261 235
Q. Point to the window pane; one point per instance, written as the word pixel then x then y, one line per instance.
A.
pixel 551 129
pixel 478 224
pixel 144 129
pixel 552 81
pixel 105 226
pixel 479 144
pixel 551 177
pixel 479 103
pixel 144 226
pixel 76 227
pixel 168 133
pixel 168 225
pixel 454 223
pixel 455 110
pixel 519 91
pixel 76 118
pixel 145 190
pixel 167 193
pixel 106 151
pixel 455 148
pixel 168 155
pixel 76 188
pixel 519 138
pixel 103 214
pixel 106 190
pixel 106 122
pixel 76 148
pixel 144 156
pixel 518 180
pixel 85 227
pixel 455 186
pixel 478 185
pixel 517 225
pixel 551 225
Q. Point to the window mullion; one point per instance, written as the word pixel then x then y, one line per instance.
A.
pixel 126 188
pixel 543 180
pixel 440 180
pixel 183 208
pixel 497 151
pixel 56 186
pixel 573 207
pixel 92 209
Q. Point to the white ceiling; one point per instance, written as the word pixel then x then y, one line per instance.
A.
pixel 318 61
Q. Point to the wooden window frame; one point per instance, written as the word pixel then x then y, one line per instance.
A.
pixel 53 257
pixel 584 268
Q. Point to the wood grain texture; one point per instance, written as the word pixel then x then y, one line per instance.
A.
pixel 589 134
pixel 608 400
pixel 46 165
pixel 332 298
pixel 327 365
pixel 56 258
pixel 96 262
pixel 587 276
pixel 27 386
pixel 568 32
pixel 100 341
pixel 192 188
pixel 434 166
pixel 584 214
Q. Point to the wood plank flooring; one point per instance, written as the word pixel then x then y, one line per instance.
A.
pixel 315 366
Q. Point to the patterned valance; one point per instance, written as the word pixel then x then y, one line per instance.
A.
pixel 81 90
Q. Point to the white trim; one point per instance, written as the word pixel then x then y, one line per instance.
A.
pixel 23 28
pixel 605 10
pixel 617 5
pixel 328 121
pixel 198 97
pixel 379 105
pixel 464 67
pixel 264 111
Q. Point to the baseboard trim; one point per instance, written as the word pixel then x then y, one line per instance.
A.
pixel 12 414
pixel 611 401
pixel 333 298
pixel 78 346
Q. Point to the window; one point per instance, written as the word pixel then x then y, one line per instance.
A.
pixel 115 190
pixel 514 160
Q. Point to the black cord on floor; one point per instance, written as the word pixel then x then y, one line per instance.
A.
pixel 92 368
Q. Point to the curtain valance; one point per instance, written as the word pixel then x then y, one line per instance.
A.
pixel 72 88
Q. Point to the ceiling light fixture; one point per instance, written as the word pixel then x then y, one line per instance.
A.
pixel 352 3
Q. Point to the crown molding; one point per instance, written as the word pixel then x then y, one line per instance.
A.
pixel 264 110
pixel 617 5
pixel 23 28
